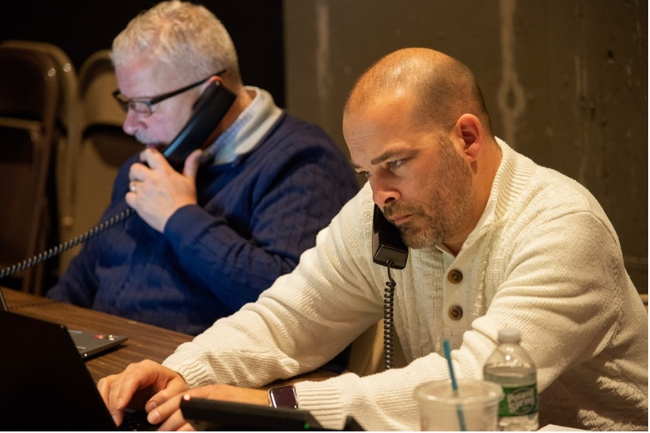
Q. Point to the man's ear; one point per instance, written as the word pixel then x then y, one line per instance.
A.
pixel 210 80
pixel 468 127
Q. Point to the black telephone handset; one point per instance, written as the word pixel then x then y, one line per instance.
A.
pixel 387 244
pixel 388 249
pixel 209 109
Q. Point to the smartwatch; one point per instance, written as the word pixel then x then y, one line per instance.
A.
pixel 283 396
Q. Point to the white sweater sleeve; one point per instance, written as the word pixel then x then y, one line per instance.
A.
pixel 326 297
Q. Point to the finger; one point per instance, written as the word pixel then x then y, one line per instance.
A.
pixel 165 413
pixel 103 386
pixel 138 172
pixel 167 401
pixel 186 427
pixel 170 385
pixel 131 199
pixel 192 164
pixel 175 422
pixel 110 396
pixel 132 194
pixel 156 160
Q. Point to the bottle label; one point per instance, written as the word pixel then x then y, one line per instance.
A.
pixel 521 400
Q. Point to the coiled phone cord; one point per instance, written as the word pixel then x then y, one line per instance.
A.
pixel 389 326
pixel 67 245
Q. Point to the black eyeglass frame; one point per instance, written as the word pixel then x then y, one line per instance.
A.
pixel 126 103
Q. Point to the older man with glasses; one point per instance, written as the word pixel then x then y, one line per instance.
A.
pixel 209 238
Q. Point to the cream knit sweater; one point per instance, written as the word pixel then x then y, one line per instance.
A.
pixel 544 259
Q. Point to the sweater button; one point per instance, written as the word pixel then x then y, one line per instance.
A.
pixel 455 312
pixel 455 276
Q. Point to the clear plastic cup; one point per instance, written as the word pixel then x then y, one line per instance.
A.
pixel 472 408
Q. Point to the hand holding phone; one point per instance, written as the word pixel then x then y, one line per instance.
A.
pixel 162 192
pixel 158 190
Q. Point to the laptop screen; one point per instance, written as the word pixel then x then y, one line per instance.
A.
pixel 88 343
pixel 47 386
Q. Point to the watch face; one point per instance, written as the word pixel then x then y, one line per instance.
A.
pixel 284 396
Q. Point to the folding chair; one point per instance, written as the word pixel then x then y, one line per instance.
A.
pixel 68 123
pixel 29 98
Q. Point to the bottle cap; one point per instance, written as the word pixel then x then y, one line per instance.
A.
pixel 509 335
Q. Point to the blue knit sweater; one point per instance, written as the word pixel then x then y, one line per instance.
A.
pixel 254 218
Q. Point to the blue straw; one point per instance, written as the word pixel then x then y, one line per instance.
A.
pixel 454 385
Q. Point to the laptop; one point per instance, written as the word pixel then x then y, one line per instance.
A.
pixel 44 383
pixel 88 343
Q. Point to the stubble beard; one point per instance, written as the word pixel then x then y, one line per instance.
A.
pixel 449 204
pixel 148 142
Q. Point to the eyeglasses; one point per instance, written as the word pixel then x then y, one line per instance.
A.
pixel 143 105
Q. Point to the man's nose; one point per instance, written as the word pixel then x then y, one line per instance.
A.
pixel 384 191
pixel 131 122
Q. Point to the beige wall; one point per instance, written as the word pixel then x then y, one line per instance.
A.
pixel 565 81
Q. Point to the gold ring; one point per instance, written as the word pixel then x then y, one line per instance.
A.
pixel 132 186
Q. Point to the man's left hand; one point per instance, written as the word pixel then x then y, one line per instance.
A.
pixel 157 191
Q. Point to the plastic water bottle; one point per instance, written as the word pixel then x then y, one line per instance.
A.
pixel 511 367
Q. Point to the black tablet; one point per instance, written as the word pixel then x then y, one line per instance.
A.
pixel 206 414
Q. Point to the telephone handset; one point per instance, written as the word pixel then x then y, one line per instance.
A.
pixel 388 249
pixel 208 110
pixel 387 244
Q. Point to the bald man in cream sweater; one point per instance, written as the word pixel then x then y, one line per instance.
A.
pixel 495 241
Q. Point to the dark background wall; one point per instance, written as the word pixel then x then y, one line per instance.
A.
pixel 565 80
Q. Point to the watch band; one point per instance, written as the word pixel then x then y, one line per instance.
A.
pixel 283 396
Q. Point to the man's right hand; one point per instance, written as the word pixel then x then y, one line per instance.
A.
pixel 145 384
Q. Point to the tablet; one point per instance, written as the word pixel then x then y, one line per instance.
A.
pixel 207 414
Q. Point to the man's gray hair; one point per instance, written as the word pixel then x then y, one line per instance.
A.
pixel 186 36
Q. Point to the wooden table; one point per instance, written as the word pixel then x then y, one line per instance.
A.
pixel 145 341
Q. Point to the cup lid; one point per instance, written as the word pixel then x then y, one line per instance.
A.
pixel 470 391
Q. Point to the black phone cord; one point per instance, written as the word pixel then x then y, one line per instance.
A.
pixel 389 325
pixel 67 245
